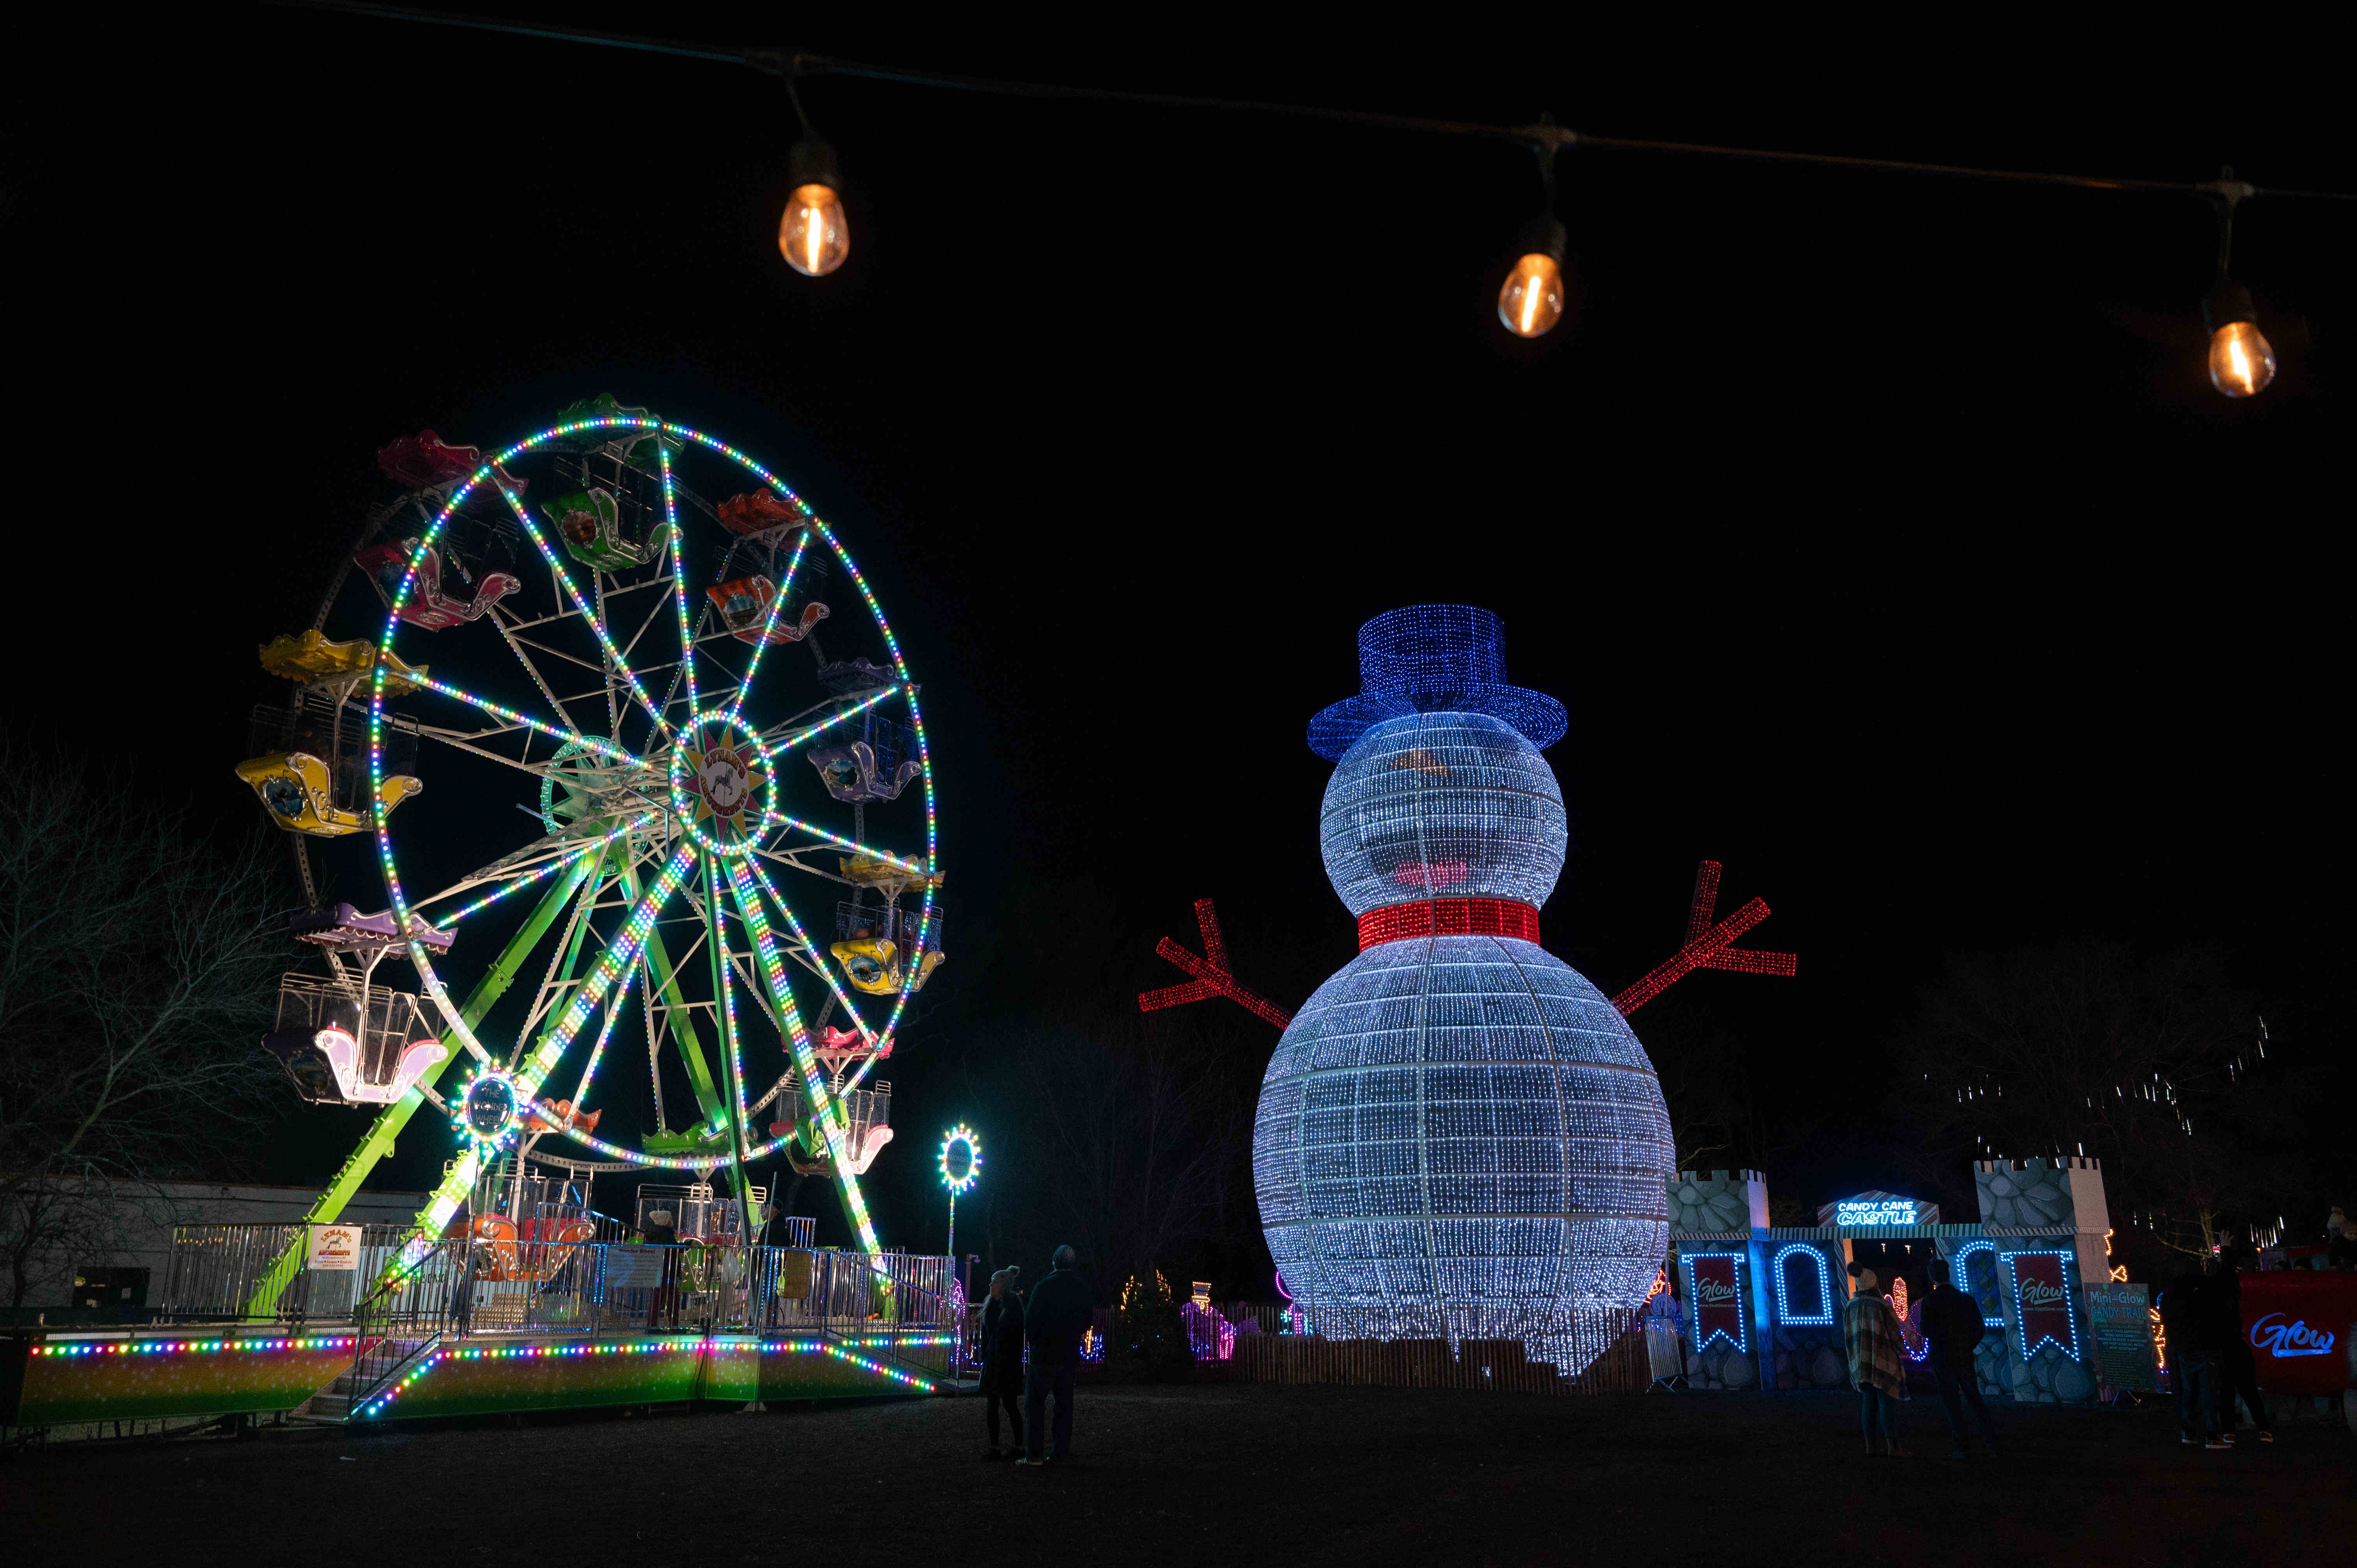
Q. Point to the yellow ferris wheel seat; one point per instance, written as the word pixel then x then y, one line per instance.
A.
pixel 872 964
pixel 311 658
pixel 301 797
pixel 874 871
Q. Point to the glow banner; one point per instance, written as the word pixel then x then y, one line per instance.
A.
pixel 1717 1298
pixel 2298 1325
pixel 2042 1295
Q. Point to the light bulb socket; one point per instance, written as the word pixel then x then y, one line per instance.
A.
pixel 1542 236
pixel 813 163
pixel 2227 303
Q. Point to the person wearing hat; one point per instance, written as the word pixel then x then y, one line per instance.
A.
pixel 1061 1308
pixel 1870 1330
pixel 1002 1356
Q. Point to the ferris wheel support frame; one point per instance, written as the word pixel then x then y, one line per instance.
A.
pixel 493 985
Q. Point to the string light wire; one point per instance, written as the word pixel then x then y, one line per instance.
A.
pixel 795 66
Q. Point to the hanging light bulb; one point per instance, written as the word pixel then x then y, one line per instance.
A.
pixel 2242 360
pixel 1529 302
pixel 813 235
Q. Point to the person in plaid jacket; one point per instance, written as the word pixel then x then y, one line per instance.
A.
pixel 1871 1331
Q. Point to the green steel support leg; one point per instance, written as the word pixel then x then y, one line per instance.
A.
pixel 682 1022
pixel 394 1117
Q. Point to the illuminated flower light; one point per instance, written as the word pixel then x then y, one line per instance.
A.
pixel 962 1133
pixel 1459 1136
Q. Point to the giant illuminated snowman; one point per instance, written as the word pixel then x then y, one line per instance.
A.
pixel 1459 1135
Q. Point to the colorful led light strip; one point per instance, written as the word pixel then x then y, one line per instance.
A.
pixel 588 743
pixel 678 576
pixel 769 622
pixel 729 1038
pixel 778 818
pixel 588 847
pixel 823 1105
pixel 810 731
pixel 377 1404
pixel 795 925
pixel 173 1346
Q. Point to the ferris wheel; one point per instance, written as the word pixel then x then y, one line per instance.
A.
pixel 629 768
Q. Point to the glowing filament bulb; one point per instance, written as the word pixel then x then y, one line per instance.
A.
pixel 1531 302
pixel 2242 360
pixel 813 235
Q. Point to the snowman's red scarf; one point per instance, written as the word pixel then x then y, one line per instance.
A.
pixel 1449 918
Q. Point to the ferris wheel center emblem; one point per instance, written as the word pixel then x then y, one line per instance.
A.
pixel 723 781
pixel 718 771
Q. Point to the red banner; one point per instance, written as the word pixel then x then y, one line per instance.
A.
pixel 2299 1325
pixel 1717 1298
pixel 2042 1291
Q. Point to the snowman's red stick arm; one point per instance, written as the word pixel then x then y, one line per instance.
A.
pixel 1217 980
pixel 1713 949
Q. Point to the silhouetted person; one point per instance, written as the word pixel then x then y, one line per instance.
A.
pixel 1871 1331
pixel 1002 1356
pixel 1953 1323
pixel 2188 1319
pixel 2238 1374
pixel 1060 1309
pixel 662 1302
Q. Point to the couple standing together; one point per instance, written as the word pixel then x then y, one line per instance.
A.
pixel 1060 1312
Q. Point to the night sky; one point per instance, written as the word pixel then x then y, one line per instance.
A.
pixel 1880 535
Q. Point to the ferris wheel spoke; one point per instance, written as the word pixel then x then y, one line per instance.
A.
pixel 824 1107
pixel 623 951
pixel 525 877
pixel 785 742
pixel 778 818
pixel 679 575
pixel 842 1000
pixel 564 582
pixel 604 748
pixel 768 624
pixel 516 645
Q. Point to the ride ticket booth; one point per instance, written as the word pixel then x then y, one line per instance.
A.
pixel 1764 1305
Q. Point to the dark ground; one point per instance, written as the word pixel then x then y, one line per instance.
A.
pixel 1214 1475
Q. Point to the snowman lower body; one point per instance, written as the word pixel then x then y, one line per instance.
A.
pixel 1460 1138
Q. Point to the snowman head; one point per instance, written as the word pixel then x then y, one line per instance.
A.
pixel 1442 805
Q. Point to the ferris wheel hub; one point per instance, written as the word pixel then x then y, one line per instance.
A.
pixel 724 783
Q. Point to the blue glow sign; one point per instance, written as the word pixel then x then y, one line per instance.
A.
pixel 1875 1211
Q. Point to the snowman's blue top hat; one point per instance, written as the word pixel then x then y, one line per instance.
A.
pixel 1430 659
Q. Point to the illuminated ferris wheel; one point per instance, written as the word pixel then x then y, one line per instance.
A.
pixel 651 808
